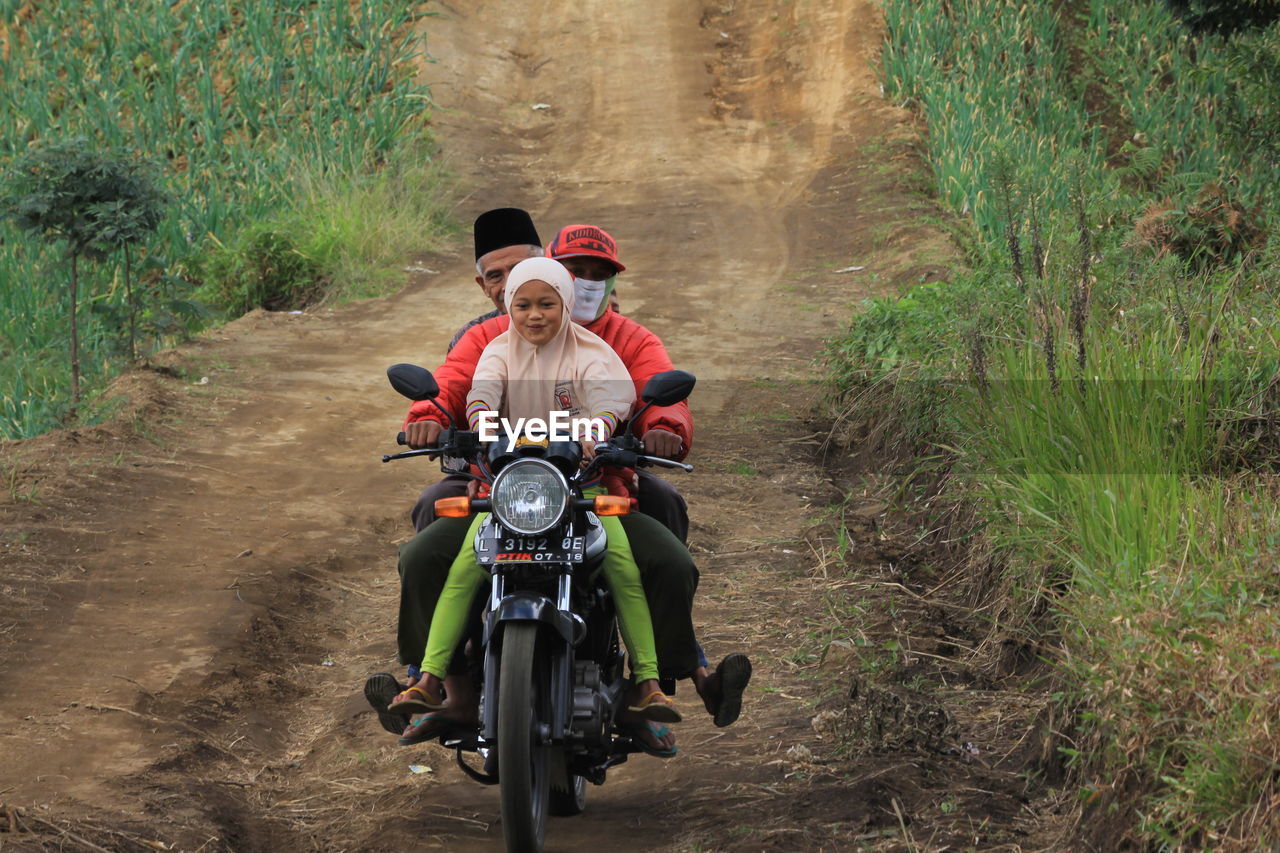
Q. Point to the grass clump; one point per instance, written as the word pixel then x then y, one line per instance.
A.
pixel 1101 382
pixel 341 238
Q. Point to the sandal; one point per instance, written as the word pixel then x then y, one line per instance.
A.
pixel 381 690
pixel 638 731
pixel 725 688
pixel 658 708
pixel 429 727
pixel 406 704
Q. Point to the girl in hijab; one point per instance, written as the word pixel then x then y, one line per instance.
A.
pixel 545 363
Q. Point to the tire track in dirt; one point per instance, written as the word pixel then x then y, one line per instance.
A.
pixel 195 675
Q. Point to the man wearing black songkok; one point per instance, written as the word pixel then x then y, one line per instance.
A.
pixel 503 238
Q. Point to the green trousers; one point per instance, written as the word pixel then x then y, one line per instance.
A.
pixel 667 572
pixel 621 573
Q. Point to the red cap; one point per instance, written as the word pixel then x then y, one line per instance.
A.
pixel 585 241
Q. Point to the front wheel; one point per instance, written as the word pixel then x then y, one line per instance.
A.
pixel 523 756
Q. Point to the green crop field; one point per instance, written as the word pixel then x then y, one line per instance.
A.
pixel 261 117
pixel 1101 383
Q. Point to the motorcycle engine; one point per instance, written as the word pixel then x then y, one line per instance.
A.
pixel 590 708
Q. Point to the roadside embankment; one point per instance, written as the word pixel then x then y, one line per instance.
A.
pixel 1085 416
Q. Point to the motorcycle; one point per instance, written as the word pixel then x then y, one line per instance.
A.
pixel 553 682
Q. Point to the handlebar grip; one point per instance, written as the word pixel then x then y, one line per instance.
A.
pixel 400 438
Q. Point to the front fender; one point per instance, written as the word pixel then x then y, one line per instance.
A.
pixel 527 607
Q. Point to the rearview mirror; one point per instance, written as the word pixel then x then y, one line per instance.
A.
pixel 668 388
pixel 413 381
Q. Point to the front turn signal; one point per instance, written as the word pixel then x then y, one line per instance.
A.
pixel 453 507
pixel 612 505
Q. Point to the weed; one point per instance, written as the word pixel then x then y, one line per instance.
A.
pixel 21 491
pixel 799 658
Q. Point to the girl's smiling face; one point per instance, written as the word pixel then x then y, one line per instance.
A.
pixel 537 312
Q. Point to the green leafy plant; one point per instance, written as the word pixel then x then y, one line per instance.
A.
pixel 90 201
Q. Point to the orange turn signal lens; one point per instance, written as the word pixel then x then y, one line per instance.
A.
pixel 453 507
pixel 611 505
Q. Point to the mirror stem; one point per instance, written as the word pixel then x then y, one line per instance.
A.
pixel 636 417
pixel 448 417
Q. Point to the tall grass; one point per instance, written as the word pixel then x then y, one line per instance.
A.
pixel 1102 471
pixel 250 107
pixel 1103 379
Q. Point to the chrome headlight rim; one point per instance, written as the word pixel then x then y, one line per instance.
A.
pixel 510 470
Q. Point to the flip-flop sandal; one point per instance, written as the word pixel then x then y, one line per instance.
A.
pixel 657 708
pixel 731 679
pixel 380 690
pixel 424 732
pixel 634 731
pixel 406 704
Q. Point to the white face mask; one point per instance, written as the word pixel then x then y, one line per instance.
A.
pixel 589 298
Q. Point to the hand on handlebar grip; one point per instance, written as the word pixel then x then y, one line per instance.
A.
pixel 661 442
pixel 420 434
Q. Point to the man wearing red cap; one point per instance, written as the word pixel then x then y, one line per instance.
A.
pixel 597 262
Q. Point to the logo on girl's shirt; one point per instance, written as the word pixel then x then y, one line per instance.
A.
pixel 564 398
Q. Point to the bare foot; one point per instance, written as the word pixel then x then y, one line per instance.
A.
pixel 426 695
pixel 461 710
pixel 656 737
pixel 462 702
pixel 648 700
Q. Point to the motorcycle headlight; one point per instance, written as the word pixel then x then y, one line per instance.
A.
pixel 529 496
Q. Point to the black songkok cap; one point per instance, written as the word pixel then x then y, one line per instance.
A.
pixel 503 227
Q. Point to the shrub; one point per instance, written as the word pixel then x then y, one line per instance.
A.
pixel 93 201
pixel 263 268
pixel 1210 230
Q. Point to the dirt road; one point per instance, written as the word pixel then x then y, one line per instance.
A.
pixel 196 592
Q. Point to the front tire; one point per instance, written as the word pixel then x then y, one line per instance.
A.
pixel 523 758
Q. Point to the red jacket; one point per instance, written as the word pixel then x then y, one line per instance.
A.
pixel 640 350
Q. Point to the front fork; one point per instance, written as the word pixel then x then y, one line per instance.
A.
pixel 559 646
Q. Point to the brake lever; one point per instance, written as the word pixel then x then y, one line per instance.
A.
pixel 409 454
pixel 659 462
pixel 631 459
pixel 402 440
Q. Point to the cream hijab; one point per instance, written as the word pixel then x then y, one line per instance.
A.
pixel 575 371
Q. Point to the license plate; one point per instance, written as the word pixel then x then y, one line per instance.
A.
pixel 531 549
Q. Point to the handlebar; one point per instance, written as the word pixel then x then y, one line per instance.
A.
pixel 606 455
